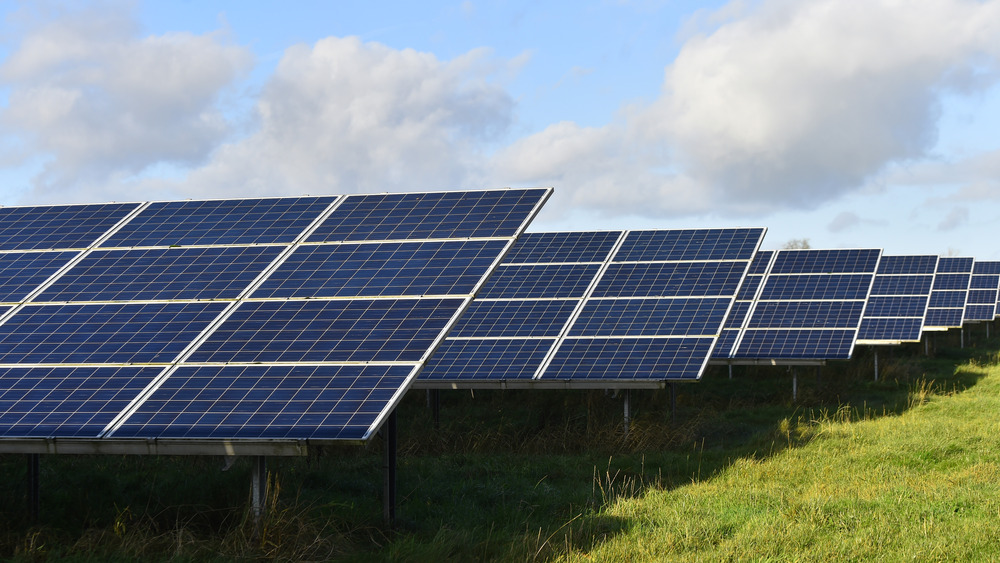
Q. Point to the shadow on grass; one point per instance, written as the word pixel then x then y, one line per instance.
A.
pixel 517 475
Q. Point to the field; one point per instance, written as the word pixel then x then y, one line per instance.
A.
pixel 906 467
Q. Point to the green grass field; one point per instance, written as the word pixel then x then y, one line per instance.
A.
pixel 904 468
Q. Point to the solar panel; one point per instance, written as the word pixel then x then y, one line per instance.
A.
pixel 982 297
pixel 808 307
pixel 946 307
pixel 898 302
pixel 218 320
pixel 58 226
pixel 647 311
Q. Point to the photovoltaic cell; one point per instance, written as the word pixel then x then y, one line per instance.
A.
pixel 689 244
pixel 902 285
pixel 955 265
pixel 359 330
pixel 807 314
pixel 949 293
pixel 58 226
pixel 982 295
pixel 890 329
pixel 671 279
pixel 514 319
pixel 804 344
pixel 630 358
pixel 161 273
pixel 241 221
pixel 899 298
pixel 497 213
pixel 332 402
pixel 43 402
pixel 944 317
pixel 103 334
pixel 384 269
pixel 896 306
pixel 920 264
pixel 660 317
pixel 550 248
pixel 551 281
pixel 805 287
pixel 496 359
pixel 826 261
pixel 22 272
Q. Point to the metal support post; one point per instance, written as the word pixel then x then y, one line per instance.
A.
pixel 389 470
pixel 961 337
pixel 795 385
pixel 730 371
pixel 819 376
pixel 876 364
pixel 626 400
pixel 258 487
pixel 33 488
pixel 673 403
pixel 436 407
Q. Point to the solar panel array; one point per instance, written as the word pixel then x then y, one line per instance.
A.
pixel 251 321
pixel 981 302
pixel 898 301
pixel 598 309
pixel 808 308
pixel 946 308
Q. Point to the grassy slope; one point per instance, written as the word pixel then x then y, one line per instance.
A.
pixel 924 485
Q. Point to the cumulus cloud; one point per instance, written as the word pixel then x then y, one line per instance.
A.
pixel 791 103
pixel 96 100
pixel 955 218
pixel 345 116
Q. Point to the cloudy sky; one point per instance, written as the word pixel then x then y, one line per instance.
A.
pixel 852 124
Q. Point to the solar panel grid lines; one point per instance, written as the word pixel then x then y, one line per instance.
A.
pixel 899 299
pixel 61 227
pixel 946 307
pixel 983 295
pixel 808 298
pixel 756 274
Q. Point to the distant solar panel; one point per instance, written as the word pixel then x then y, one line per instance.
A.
pixel 217 320
pixel 808 308
pixel 648 310
pixel 740 311
pixel 982 297
pixel 946 308
pixel 898 303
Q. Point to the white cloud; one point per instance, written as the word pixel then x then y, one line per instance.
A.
pixel 957 217
pixel 98 101
pixel 346 116
pixel 786 104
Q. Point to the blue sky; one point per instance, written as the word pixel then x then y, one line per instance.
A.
pixel 852 124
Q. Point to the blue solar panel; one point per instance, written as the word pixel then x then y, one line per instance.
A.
pixel 487 359
pixel 944 318
pixel 981 296
pixel 549 248
pixel 511 319
pixel 921 264
pixel 161 273
pixel 724 347
pixel 760 263
pixel 329 402
pixel 979 312
pixel 59 226
pixel 947 299
pixel 984 281
pixel 826 261
pixel 360 330
pixel 495 213
pixel 948 265
pixel 244 221
pixel 103 334
pixel 690 244
pixel 896 306
pixel 44 402
pixel 902 285
pixel 895 329
pixel 650 317
pixel 383 269
pixel 539 281
pixel 738 314
pixel 22 272
pixel 986 268
pixel 833 344
pixel 807 314
pixel 951 281
pixel 672 279
pixel 629 358
pixel 749 287
pixel 809 286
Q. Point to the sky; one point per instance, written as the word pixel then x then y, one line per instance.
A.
pixel 852 124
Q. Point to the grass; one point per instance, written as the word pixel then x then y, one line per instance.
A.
pixel 906 467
